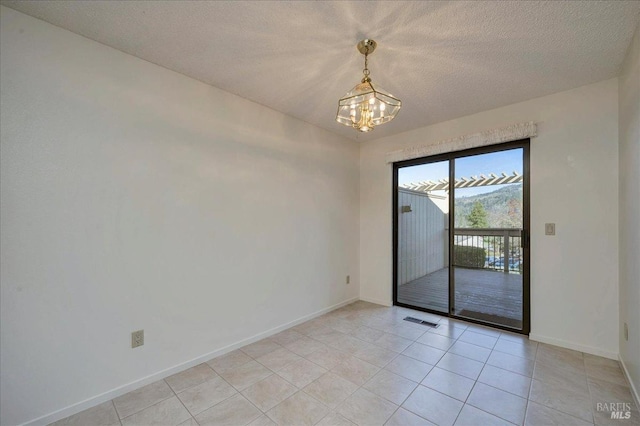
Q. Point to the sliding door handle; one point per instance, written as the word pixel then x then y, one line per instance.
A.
pixel 524 238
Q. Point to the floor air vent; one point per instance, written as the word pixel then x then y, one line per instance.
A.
pixel 419 321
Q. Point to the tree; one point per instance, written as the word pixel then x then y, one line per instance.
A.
pixel 477 218
pixel 515 213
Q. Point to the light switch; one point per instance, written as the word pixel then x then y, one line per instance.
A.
pixel 550 229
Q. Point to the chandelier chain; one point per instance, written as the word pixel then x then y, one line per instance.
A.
pixel 366 71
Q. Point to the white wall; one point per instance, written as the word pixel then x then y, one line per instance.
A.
pixel 422 238
pixel 136 198
pixel 629 128
pixel 574 180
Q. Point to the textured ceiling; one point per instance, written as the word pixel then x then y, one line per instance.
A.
pixel 443 59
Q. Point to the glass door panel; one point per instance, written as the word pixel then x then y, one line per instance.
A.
pixel 423 236
pixel 488 257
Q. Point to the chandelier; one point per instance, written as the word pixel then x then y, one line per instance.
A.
pixel 366 106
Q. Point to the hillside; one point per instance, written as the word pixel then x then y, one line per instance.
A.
pixel 503 207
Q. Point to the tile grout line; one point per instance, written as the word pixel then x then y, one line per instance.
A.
pixel 154 404
pixel 405 400
pixel 467 398
pixel 526 407
pixel 116 410
pixel 178 398
pixel 478 408
pixel 593 415
pixel 149 406
pixel 263 413
pixel 237 392
pixel 483 410
pixel 558 409
pixel 529 400
pixel 555 408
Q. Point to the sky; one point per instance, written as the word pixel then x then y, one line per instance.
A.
pixel 476 165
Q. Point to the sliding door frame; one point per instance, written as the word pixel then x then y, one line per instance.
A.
pixel 450 157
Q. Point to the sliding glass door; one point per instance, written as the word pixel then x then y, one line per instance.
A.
pixel 488 259
pixel 423 236
pixel 460 235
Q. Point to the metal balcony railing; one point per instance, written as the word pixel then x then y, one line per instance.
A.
pixel 502 247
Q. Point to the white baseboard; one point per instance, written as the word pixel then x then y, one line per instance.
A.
pixel 575 346
pixel 114 393
pixel 632 386
pixel 376 301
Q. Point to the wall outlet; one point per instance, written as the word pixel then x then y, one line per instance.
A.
pixel 626 332
pixel 550 229
pixel 137 338
pixel 348 279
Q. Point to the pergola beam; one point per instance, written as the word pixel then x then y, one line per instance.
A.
pixel 471 182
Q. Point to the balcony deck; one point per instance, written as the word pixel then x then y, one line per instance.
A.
pixel 491 296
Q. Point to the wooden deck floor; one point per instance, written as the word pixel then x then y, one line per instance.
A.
pixel 489 296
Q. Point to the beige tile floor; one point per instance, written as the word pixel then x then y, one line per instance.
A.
pixel 364 365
